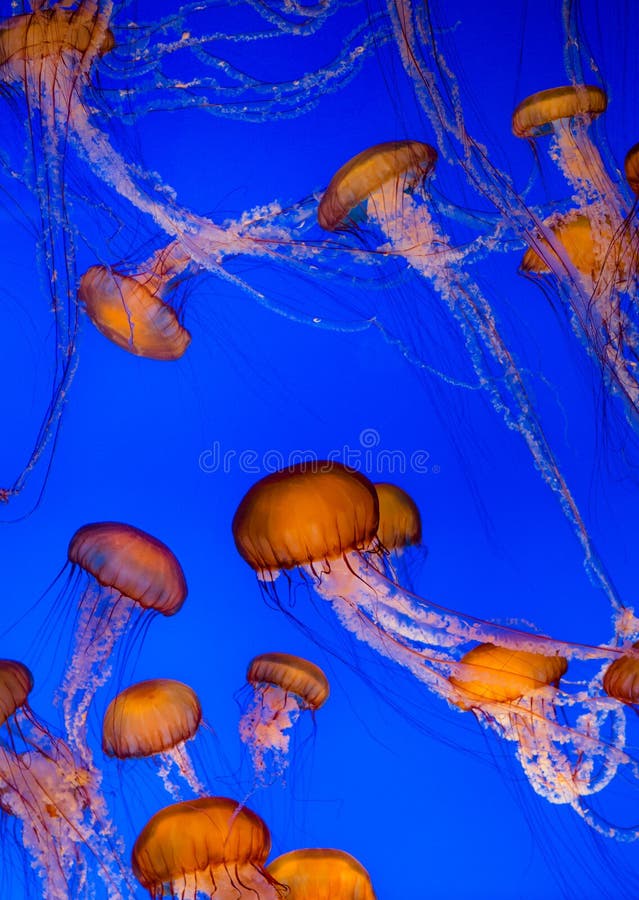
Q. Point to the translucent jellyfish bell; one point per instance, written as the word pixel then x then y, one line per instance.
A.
pixel 285 685
pixel 212 846
pixel 322 874
pixel 155 718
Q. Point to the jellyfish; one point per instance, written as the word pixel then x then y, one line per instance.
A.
pixel 322 874
pixel 65 825
pixel 399 528
pixel 323 521
pixel 130 312
pixel 621 678
pixel 50 61
pixel 212 846
pixel 386 178
pixel 155 718
pixel 285 686
pixel 590 248
pixel 126 572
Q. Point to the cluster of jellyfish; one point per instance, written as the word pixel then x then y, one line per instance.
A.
pixel 203 846
pixel 327 525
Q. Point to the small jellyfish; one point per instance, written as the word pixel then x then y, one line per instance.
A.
pixel 128 572
pixel 212 846
pixel 285 685
pixel 130 312
pixel 400 527
pixel 155 718
pixel 322 874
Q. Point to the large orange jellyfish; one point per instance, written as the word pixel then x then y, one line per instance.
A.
pixel 285 685
pixel 126 572
pixel 322 874
pixel 390 180
pixel 212 846
pixel 155 718
pixel 57 800
pixel 323 521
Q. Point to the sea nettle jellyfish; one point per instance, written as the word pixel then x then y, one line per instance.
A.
pixel 127 573
pixel 323 522
pixel 64 823
pixel 390 179
pixel 211 847
pixel 322 874
pixel 399 528
pixel 285 685
pixel 155 718
pixel 591 249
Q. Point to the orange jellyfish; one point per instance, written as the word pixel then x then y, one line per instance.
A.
pixel 285 685
pixel 399 527
pixel 127 572
pixel 591 248
pixel 64 821
pixel 322 874
pixel 130 312
pixel 155 718
pixel 621 678
pixel 212 846
pixel 323 521
pixel 390 179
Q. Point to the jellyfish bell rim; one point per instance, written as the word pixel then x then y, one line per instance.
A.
pixel 536 114
pixel 349 186
pixel 18 692
pixel 261 526
pixel 167 602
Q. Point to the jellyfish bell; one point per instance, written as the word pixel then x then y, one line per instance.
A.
pixel 212 846
pixel 128 311
pixel 284 686
pixel 631 169
pixel 322 874
pixel 405 163
pixel 305 517
pixel 541 113
pixel 621 678
pixel 155 718
pixel 127 572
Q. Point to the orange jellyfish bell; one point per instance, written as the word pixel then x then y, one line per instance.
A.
pixel 490 673
pixel 303 515
pixel 128 311
pixel 537 114
pixel 150 717
pixel 322 874
pixel 293 674
pixel 400 523
pixel 621 678
pixel 631 168
pixel 368 171
pixel 131 562
pixel 211 846
pixel 49 33
pixel 16 683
